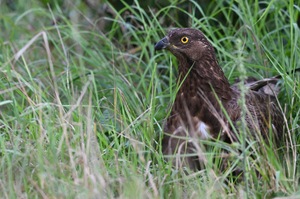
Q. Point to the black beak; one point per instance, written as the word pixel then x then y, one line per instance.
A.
pixel 162 44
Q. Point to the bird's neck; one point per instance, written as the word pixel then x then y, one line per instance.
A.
pixel 205 75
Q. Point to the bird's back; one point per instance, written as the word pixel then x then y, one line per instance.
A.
pixel 262 117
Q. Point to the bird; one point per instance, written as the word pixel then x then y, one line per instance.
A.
pixel 206 106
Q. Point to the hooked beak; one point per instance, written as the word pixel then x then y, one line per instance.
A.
pixel 164 43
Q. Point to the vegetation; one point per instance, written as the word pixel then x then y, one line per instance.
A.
pixel 83 96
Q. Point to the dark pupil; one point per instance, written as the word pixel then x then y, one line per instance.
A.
pixel 184 39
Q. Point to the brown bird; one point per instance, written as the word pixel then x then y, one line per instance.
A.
pixel 205 97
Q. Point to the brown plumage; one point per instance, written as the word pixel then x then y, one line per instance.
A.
pixel 196 112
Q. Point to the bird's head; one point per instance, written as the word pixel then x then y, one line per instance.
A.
pixel 186 43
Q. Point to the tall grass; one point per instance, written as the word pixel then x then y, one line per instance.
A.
pixel 82 109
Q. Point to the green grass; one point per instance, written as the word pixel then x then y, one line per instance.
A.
pixel 82 109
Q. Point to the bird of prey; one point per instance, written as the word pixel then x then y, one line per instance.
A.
pixel 206 106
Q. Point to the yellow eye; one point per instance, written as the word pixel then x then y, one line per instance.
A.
pixel 184 40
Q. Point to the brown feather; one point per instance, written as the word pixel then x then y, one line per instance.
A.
pixel 196 112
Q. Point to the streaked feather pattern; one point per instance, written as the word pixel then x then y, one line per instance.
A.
pixel 197 110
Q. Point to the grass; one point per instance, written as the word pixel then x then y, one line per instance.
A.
pixel 82 109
